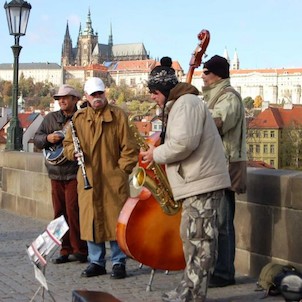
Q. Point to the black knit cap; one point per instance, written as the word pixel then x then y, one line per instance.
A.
pixel 163 77
pixel 219 66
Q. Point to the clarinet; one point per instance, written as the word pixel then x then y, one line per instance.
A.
pixel 80 158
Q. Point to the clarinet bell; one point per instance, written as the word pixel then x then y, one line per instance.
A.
pixel 87 185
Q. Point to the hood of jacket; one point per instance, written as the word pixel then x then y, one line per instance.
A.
pixel 181 89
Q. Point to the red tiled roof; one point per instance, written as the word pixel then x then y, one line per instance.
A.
pixel 259 164
pixel 175 65
pixel 142 65
pixel 97 67
pixel 292 116
pixel 27 118
pixel 277 117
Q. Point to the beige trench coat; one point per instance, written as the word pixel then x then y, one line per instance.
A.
pixel 110 154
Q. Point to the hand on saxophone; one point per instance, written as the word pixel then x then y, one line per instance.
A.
pixel 147 156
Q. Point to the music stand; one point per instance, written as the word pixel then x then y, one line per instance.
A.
pixel 43 247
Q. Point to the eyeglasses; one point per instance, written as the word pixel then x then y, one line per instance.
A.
pixel 206 72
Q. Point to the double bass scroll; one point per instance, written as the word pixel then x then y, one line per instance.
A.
pixel 196 59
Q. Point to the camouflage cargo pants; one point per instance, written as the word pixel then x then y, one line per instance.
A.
pixel 199 233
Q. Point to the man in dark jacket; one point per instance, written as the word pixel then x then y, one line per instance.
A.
pixel 62 173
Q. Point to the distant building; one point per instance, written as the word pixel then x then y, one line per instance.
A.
pixel 274 136
pixel 130 64
pixel 88 50
pixel 39 72
pixel 82 73
pixel 135 74
pixel 275 86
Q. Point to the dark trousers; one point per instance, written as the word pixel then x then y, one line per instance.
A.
pixel 226 238
pixel 65 202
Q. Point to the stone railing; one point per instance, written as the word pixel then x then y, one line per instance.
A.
pixel 268 218
pixel 25 186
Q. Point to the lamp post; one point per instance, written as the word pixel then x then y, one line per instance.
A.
pixel 17 14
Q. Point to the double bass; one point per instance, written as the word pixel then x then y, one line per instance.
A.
pixel 144 231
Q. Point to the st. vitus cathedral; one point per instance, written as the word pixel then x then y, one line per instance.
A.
pixel 89 51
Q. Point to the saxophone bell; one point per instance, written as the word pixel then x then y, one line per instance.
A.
pixel 139 178
pixel 157 183
pixel 160 193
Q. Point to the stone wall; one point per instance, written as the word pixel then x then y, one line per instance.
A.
pixel 268 218
pixel 25 186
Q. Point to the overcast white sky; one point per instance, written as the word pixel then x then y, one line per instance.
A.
pixel 266 33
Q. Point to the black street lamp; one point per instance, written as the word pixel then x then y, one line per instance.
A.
pixel 17 14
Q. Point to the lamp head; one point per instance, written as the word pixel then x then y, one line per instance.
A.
pixel 17 14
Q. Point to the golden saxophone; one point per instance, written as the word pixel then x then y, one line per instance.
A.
pixel 159 186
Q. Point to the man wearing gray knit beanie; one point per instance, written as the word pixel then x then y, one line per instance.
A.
pixel 196 174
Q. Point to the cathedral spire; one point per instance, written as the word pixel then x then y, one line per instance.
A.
pixel 67 55
pixel 110 40
pixel 67 35
pixel 235 62
pixel 226 55
pixel 80 30
pixel 88 30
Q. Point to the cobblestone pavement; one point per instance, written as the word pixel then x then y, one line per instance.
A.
pixel 18 283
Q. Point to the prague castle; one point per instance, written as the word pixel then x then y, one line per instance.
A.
pixel 89 51
pixel 130 64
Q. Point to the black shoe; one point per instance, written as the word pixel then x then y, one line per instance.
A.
pixel 78 257
pixel 61 259
pixel 118 271
pixel 93 270
pixel 216 281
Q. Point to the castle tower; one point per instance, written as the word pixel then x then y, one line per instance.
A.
pixel 78 51
pixel 226 55
pixel 110 43
pixel 235 63
pixel 86 44
pixel 89 51
pixel 67 55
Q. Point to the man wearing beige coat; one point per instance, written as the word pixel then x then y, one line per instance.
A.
pixel 110 153
pixel 227 109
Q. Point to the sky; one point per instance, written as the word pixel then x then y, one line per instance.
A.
pixel 265 33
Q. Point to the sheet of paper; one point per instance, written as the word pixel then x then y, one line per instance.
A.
pixel 45 242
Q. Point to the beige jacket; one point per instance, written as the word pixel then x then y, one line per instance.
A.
pixel 226 105
pixel 230 109
pixel 192 151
